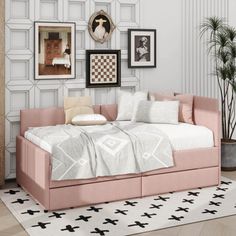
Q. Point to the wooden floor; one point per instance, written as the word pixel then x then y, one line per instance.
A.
pixel 220 227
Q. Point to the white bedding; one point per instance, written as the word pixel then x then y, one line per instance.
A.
pixel 105 150
pixel 182 136
pixel 186 136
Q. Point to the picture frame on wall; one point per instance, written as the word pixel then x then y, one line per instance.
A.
pixel 103 68
pixel 54 50
pixel 141 48
pixel 100 26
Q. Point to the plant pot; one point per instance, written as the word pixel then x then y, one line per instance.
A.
pixel 228 155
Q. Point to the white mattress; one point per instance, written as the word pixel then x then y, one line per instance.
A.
pixel 186 136
pixel 182 136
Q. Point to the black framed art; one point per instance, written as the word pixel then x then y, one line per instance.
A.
pixel 54 50
pixel 103 68
pixel 141 48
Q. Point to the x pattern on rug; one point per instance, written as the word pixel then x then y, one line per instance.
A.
pixel 124 217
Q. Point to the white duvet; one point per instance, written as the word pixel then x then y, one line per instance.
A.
pixel 81 152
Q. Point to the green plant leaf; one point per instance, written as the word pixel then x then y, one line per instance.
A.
pixel 224 56
pixel 233 84
pixel 223 72
pixel 221 41
pixel 212 25
pixel 230 32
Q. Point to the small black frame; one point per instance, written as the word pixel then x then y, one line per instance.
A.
pixel 139 54
pixel 100 64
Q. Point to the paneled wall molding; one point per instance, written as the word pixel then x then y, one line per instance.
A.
pixel 22 91
pixel 2 93
pixel 197 67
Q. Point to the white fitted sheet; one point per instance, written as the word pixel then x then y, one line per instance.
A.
pixel 186 136
pixel 182 136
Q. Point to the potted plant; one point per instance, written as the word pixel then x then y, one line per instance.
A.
pixel 222 47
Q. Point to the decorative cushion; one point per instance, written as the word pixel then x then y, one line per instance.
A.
pixel 89 119
pixel 185 107
pixel 127 104
pixel 164 112
pixel 109 111
pixel 77 105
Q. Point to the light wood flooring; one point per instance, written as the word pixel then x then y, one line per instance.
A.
pixel 226 226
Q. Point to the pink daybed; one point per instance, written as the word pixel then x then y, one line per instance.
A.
pixel 193 168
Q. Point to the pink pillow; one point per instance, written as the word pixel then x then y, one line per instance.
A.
pixel 185 108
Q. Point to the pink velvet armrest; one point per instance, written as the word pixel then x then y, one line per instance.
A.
pixel 33 169
pixel 206 113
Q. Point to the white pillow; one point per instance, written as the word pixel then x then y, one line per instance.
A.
pixel 165 112
pixel 89 119
pixel 127 103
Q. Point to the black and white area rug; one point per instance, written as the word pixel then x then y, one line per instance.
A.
pixel 124 217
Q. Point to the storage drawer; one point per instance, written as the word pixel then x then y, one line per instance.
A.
pixel 177 181
pixel 95 193
pixel 191 159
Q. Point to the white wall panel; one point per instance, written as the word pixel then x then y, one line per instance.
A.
pixel 19 11
pixel 82 39
pixel 127 72
pixel 123 40
pixel 18 98
pixel 76 11
pixel 19 39
pixel 71 89
pixel 73 92
pixel 23 92
pixel 197 67
pixel 48 95
pixel 105 5
pixel 19 70
pixel 10 163
pixel 128 13
pixel 48 10
pixel 80 72
pixel 12 129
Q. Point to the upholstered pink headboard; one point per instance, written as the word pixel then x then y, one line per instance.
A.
pixel 55 115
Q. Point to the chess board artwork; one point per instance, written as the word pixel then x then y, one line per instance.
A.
pixel 103 68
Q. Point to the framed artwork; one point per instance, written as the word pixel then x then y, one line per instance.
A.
pixel 100 26
pixel 141 48
pixel 102 68
pixel 54 50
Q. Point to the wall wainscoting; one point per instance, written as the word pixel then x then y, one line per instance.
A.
pixel 2 93
pixel 197 68
pixel 23 92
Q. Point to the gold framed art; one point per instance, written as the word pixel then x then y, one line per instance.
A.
pixel 101 26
